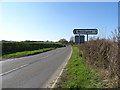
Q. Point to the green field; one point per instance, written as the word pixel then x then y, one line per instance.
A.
pixel 17 49
pixel 78 75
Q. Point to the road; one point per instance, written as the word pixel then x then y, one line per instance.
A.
pixel 36 71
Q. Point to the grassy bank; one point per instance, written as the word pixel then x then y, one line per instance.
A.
pixel 78 75
pixel 26 53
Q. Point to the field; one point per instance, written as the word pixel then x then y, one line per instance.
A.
pixel 12 49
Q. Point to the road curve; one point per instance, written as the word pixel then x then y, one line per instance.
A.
pixel 36 71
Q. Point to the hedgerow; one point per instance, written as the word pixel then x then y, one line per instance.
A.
pixel 12 47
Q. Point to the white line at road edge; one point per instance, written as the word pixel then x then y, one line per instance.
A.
pixel 68 58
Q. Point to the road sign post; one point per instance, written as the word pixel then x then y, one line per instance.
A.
pixel 79 45
pixel 79 39
pixel 86 31
pixel 87 37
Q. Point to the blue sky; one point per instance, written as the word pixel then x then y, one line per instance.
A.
pixel 52 21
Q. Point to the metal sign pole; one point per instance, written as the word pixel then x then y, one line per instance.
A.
pixel 79 45
pixel 84 31
pixel 79 39
pixel 87 37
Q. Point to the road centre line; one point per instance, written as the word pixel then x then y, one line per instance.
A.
pixel 13 70
pixel 22 66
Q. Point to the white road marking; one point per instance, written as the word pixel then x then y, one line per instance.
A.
pixel 68 58
pixel 8 60
pixel 13 70
pixel 20 66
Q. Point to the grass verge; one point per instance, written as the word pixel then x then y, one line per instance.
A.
pixel 26 53
pixel 78 75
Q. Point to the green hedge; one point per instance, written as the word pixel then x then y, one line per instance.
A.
pixel 12 47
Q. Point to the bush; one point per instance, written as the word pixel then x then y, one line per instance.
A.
pixel 102 53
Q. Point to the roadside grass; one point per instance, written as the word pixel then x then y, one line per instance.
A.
pixel 78 75
pixel 26 53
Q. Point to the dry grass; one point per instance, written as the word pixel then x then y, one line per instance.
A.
pixel 103 54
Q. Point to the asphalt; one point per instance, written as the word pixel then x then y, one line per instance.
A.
pixel 36 71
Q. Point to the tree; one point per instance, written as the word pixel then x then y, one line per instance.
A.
pixel 71 40
pixel 63 41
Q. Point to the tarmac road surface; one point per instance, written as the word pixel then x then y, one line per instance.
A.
pixel 36 71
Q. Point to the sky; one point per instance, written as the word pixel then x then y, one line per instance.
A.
pixel 42 21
